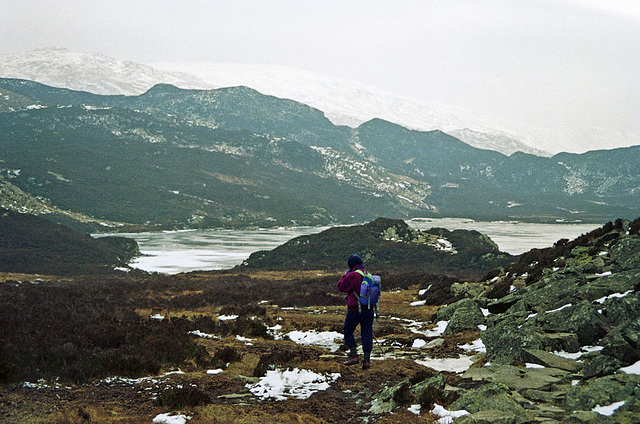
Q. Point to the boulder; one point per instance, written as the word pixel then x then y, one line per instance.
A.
pixel 547 359
pixel 466 317
pixel 623 343
pixel 544 396
pixel 446 312
pixel 467 290
pixel 602 391
pixel 620 310
pixel 553 342
pixel 437 382
pixel 489 416
pixel 503 304
pixel 505 342
pixel 583 417
pixel 605 285
pixel 518 378
pixel 392 397
pixel 492 397
pixel 625 254
pixel 601 365
pixel 582 319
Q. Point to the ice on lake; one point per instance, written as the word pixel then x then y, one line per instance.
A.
pixel 183 251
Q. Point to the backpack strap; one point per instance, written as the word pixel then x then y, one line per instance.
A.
pixel 361 272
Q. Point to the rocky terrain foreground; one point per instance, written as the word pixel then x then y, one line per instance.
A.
pixel 552 337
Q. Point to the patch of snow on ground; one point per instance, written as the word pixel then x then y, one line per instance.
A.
pixel 216 371
pixel 203 335
pixel 441 326
pixel 457 365
pixel 243 339
pixel 445 246
pixel 568 305
pixel 611 296
pixel 604 274
pixel 171 419
pixel 475 345
pixel 632 369
pixel 325 339
pixel 447 416
pixel 583 351
pixel 296 383
pixel 227 317
pixel 275 331
pixel 536 366
pixel 418 303
pixel 608 410
pixel 418 343
pixel 415 409
pixel 157 316
pixel 485 312
pixel 423 291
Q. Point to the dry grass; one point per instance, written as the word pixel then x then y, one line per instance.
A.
pixel 243 414
pixel 343 402
pixel 91 414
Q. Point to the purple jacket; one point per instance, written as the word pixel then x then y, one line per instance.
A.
pixel 350 283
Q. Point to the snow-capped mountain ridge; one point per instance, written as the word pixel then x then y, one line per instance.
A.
pixel 343 102
pixel 95 73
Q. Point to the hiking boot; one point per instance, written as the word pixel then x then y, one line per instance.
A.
pixel 366 365
pixel 351 360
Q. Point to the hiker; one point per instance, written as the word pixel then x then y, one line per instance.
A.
pixel 356 314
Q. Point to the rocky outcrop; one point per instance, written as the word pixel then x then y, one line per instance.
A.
pixel 492 400
pixel 558 337
pixel 388 245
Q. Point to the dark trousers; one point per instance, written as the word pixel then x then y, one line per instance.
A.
pixel 365 319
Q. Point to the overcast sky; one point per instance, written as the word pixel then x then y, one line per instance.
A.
pixel 555 62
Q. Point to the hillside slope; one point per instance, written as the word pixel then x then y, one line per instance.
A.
pixel 29 244
pixel 387 245
pixel 173 158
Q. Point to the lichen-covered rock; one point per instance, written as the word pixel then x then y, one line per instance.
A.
pixel 493 396
pixel 583 417
pixel 470 290
pixel 446 312
pixel 623 343
pixel 437 382
pixel 392 397
pixel 465 317
pixel 517 378
pixel 582 319
pixel 619 310
pixel 602 391
pixel 505 343
pixel 547 359
pixel 489 416
pixel 625 254
pixel 600 365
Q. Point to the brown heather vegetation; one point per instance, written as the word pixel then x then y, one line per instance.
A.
pixel 71 333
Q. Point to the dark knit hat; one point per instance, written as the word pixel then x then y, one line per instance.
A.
pixel 354 260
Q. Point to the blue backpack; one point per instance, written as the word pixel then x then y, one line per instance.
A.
pixel 369 290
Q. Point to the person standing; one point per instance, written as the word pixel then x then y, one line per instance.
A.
pixel 357 314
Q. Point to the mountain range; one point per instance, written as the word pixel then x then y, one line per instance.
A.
pixel 343 102
pixel 175 158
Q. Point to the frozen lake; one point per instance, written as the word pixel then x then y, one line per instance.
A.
pixel 183 251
